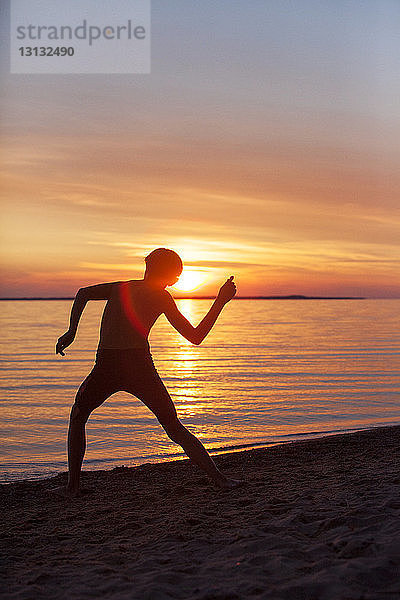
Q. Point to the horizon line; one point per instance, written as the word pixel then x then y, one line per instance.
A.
pixel 271 297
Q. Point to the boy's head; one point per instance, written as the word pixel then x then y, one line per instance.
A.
pixel 164 265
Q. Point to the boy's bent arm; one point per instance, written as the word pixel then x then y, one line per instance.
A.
pixel 102 291
pixel 197 334
pixel 207 323
pixel 78 305
pixel 93 292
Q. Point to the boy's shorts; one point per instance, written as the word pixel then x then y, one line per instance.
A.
pixel 130 370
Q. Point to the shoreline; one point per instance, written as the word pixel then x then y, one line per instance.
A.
pixel 317 518
pixel 179 456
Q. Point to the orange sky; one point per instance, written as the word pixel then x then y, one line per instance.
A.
pixel 264 155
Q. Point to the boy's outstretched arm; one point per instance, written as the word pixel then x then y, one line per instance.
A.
pixel 197 334
pixel 93 292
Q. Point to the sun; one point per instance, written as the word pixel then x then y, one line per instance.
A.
pixel 190 280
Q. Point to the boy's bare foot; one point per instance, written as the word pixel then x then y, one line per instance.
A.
pixel 64 491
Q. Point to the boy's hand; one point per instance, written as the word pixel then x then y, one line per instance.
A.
pixel 227 291
pixel 64 341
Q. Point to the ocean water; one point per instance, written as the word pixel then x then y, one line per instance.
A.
pixel 270 371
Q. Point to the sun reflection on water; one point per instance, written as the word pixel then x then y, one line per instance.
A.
pixel 185 364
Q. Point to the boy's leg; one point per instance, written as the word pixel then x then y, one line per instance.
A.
pixel 154 394
pixel 195 451
pixel 76 448
pixel 95 389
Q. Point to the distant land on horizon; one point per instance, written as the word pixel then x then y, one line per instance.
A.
pixel 289 297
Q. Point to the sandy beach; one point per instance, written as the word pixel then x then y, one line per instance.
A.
pixel 316 520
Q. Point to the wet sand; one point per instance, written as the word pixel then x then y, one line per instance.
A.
pixel 316 520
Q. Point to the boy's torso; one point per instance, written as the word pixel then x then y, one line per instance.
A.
pixel 129 314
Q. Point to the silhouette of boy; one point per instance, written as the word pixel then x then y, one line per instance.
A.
pixel 123 359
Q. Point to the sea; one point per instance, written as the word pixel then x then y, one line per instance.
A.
pixel 270 371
